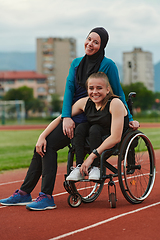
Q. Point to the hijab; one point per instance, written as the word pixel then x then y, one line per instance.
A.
pixel 91 64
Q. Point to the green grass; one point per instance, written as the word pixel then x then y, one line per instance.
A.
pixel 16 147
pixel 147 119
pixel 154 135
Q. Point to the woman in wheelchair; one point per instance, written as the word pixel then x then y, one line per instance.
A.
pixel 107 119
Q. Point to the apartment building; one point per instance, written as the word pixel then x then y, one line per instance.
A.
pixel 16 79
pixel 138 67
pixel 54 56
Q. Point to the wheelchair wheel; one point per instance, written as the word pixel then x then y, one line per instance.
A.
pixel 88 190
pixel 112 200
pixel 74 200
pixel 136 167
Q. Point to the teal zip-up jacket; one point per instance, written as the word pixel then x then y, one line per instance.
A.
pixel 73 92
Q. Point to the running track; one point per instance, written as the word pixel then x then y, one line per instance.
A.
pixel 89 221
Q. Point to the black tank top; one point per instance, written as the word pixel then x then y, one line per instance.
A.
pixel 102 118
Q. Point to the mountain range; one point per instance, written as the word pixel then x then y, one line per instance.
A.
pixel 26 61
pixel 17 61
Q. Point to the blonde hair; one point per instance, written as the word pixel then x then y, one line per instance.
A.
pixel 103 76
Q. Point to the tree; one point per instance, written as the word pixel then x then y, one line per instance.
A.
pixel 38 105
pixel 144 97
pixel 157 100
pixel 23 93
pixel 56 103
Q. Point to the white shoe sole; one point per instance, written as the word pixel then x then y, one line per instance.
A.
pixel 41 209
pixel 15 204
pixel 72 179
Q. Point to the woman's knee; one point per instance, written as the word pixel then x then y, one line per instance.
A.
pixel 56 139
pixel 82 129
pixel 95 130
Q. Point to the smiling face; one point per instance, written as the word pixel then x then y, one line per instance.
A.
pixel 92 43
pixel 97 90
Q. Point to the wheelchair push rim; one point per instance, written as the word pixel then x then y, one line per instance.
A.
pixel 138 177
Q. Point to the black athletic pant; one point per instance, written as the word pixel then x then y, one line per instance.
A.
pixel 94 133
pixel 46 166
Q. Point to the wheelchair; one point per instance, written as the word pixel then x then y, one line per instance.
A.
pixel 135 170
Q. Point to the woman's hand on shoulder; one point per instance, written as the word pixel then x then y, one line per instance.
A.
pixel 68 123
pixel 68 127
pixel 134 124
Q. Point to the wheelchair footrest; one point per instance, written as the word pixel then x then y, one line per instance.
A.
pixel 68 187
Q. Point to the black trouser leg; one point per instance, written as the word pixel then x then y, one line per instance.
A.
pixel 95 138
pixel 81 132
pixel 33 174
pixel 46 166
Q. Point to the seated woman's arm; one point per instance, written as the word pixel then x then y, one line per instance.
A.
pixel 118 111
pixel 77 108
pixel 41 143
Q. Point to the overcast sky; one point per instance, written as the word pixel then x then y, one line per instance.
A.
pixel 129 23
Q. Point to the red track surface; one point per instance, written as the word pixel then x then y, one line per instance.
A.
pixel 127 221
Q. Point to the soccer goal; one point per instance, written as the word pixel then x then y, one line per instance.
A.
pixel 12 110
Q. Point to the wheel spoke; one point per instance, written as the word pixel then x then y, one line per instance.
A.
pixel 137 180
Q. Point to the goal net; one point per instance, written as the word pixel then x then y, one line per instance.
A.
pixel 12 110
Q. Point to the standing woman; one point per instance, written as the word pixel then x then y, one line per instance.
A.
pixel 81 68
pixel 44 161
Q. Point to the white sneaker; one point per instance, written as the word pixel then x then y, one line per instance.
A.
pixel 94 174
pixel 75 175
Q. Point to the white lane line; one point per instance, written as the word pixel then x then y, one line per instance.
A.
pixel 103 222
pixel 1 184
pixel 55 195
pixel 62 193
pixel 2 206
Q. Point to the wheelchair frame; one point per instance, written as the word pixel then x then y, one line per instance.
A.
pixel 135 171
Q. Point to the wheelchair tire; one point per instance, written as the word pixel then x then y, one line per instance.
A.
pixel 112 200
pixel 74 200
pixel 88 190
pixel 136 167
